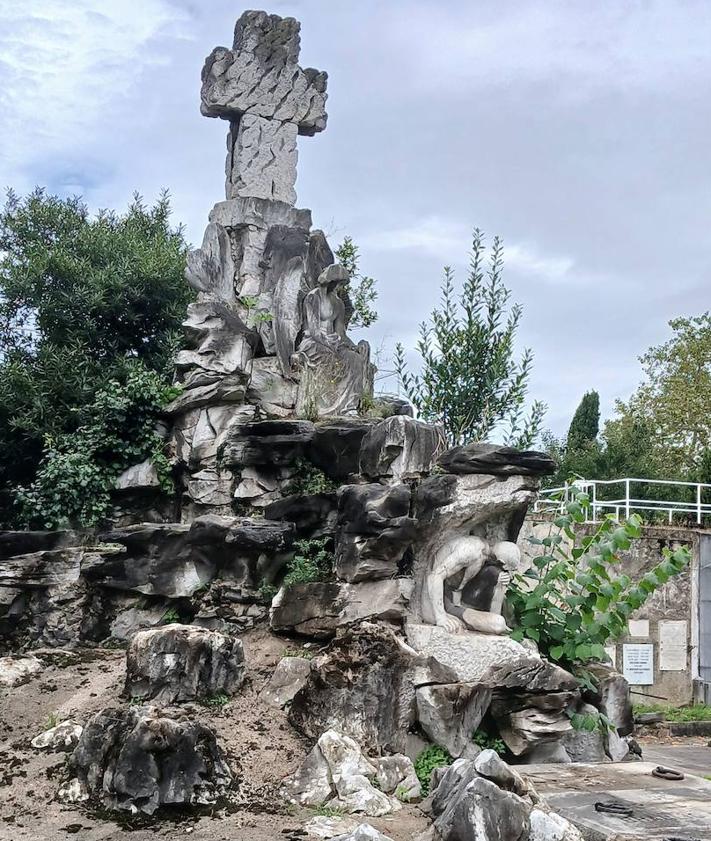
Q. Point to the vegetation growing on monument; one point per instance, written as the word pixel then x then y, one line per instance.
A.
pixel 470 381
pixel 312 561
pixel 573 599
pixel 427 760
pixel 361 288
pixel 85 303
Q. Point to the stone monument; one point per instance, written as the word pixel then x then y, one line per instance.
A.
pixel 268 330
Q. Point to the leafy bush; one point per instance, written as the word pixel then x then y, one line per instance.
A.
pixel 430 758
pixel 572 600
pixel 216 701
pixel 470 382
pixel 309 479
pixel 78 470
pixel 311 562
pixel 81 298
pixel 487 741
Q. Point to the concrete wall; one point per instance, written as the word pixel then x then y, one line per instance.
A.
pixel 676 601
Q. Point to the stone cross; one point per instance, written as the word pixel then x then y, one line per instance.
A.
pixel 259 87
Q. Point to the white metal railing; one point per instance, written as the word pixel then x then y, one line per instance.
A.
pixel 555 499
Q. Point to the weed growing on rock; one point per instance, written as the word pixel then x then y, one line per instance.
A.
pixel 430 758
pixel 311 562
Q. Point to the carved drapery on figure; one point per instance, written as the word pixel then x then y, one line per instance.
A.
pixel 334 372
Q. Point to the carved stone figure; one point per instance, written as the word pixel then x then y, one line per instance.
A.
pixel 335 372
pixel 452 599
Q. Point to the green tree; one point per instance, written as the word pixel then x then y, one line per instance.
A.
pixel 674 399
pixel 81 297
pixel 361 289
pixel 470 382
pixel 585 425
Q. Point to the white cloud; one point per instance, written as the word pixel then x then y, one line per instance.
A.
pixel 449 242
pixel 64 66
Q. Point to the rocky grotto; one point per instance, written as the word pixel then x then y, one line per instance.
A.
pixel 311 516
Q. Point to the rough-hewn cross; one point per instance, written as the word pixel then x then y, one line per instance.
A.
pixel 259 87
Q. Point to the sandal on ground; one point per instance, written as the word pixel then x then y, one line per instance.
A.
pixel 667 773
pixel 612 808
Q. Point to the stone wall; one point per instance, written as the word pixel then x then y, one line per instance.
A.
pixel 675 601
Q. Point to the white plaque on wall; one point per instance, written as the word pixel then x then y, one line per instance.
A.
pixel 637 663
pixel 639 628
pixel 672 645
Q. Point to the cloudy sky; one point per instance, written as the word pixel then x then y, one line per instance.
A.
pixel 577 131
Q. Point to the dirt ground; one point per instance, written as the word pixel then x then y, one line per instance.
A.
pixel 260 745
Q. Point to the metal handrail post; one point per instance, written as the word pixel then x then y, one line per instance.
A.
pixel 698 504
pixel 627 499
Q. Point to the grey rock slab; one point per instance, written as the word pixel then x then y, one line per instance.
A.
pixel 16 670
pixel 496 460
pixel 374 530
pixel 399 447
pixel 183 663
pixel 289 676
pixel 396 775
pixel 210 269
pixel 548 826
pixel 143 475
pixel 471 656
pixel 139 759
pixel 318 609
pixel 491 766
pixel 450 713
pixel 63 737
pixel 363 832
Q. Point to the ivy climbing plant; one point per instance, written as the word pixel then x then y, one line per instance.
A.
pixel 574 598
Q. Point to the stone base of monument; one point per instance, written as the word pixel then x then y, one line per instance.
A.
pixel 470 655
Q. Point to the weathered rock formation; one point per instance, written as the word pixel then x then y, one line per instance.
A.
pixel 139 759
pixel 183 663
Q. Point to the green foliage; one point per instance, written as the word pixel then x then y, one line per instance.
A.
pixel 78 469
pixel 267 591
pixel 585 425
pixel 573 600
pixel 697 712
pixel 255 315
pixel 487 741
pixel 428 759
pixel 590 722
pixel 361 289
pixel 470 382
pixel 170 616
pixel 402 793
pixel 309 479
pixel 311 562
pixel 664 430
pixel 325 811
pixel 80 298
pixel 51 721
pixel 216 701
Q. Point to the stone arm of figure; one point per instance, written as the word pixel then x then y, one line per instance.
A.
pixel 444 566
pixel 339 324
pixel 313 328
